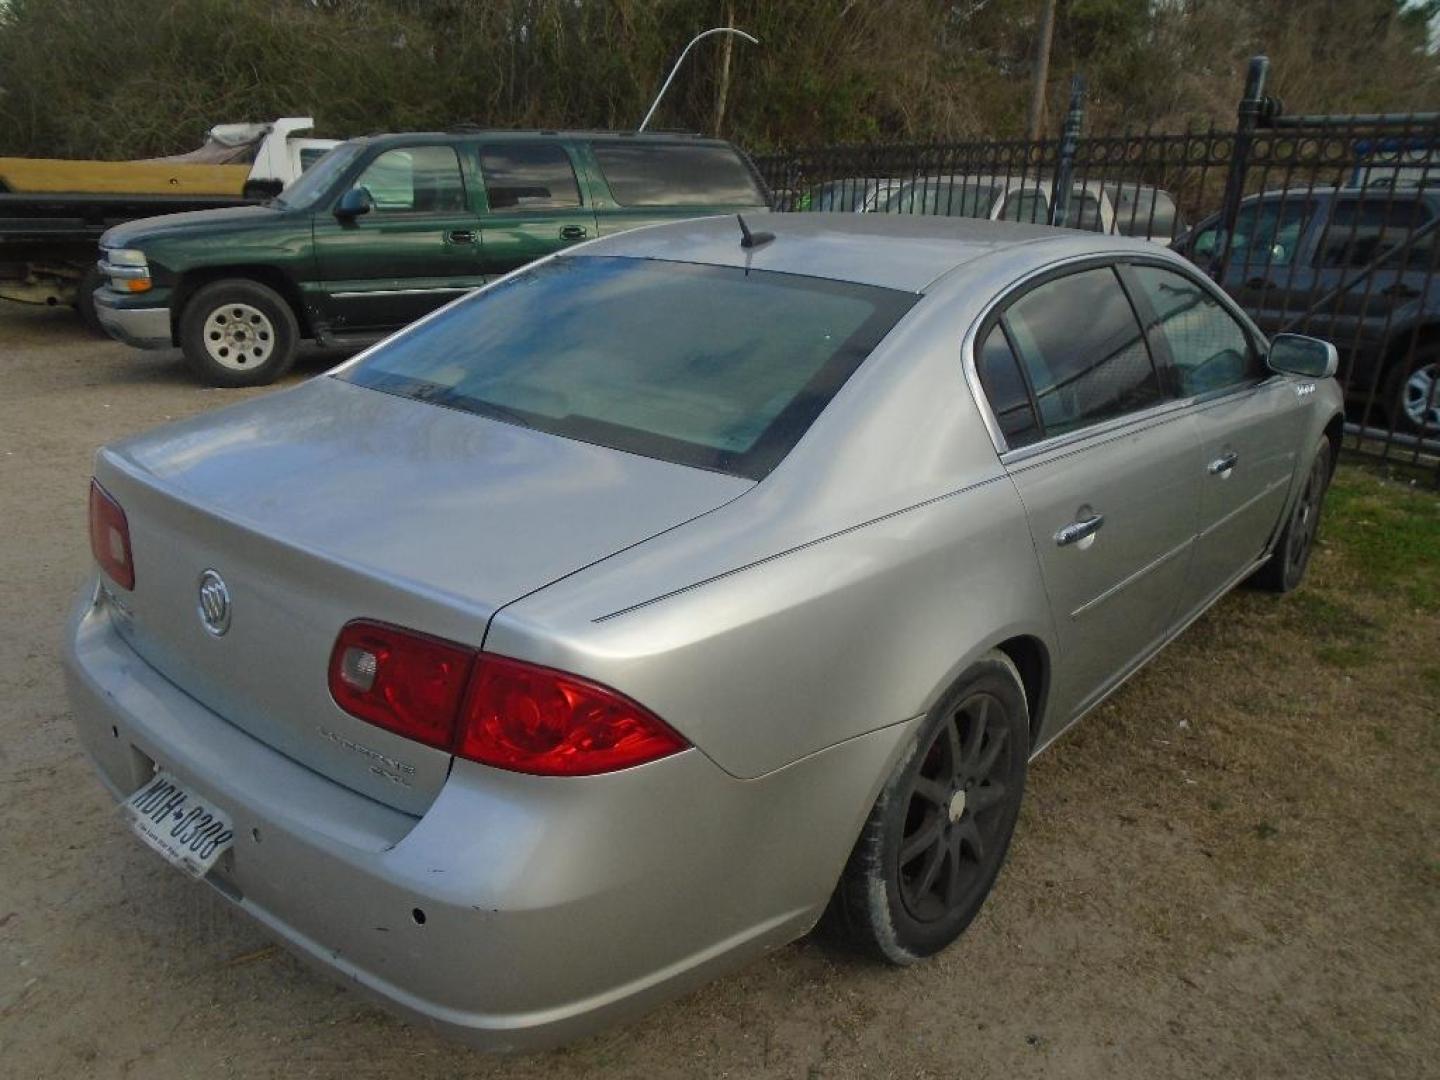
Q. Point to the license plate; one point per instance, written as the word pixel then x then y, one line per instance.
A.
pixel 181 826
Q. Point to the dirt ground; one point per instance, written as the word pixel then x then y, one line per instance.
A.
pixel 1229 870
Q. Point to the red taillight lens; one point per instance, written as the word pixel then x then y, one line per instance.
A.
pixel 534 719
pixel 110 537
pixel 514 715
pixel 399 680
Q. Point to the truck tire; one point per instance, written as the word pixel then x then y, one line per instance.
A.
pixel 91 280
pixel 237 332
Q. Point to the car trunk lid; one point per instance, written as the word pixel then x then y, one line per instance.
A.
pixel 332 502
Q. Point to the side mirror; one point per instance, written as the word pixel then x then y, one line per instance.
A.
pixel 355 202
pixel 1296 354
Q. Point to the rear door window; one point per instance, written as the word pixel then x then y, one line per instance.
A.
pixel 665 174
pixel 1083 351
pixel 1005 389
pixel 1361 230
pixel 1026 206
pixel 528 176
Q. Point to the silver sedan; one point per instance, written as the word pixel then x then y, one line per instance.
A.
pixel 625 618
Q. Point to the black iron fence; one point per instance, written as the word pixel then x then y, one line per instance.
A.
pixel 1324 225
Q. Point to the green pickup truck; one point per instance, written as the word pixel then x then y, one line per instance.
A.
pixel 386 228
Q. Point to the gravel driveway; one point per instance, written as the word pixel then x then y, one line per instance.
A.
pixel 1230 869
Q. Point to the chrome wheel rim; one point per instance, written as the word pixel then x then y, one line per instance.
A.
pixel 952 828
pixel 1421 397
pixel 239 336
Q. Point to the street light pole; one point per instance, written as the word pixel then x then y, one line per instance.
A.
pixel 671 77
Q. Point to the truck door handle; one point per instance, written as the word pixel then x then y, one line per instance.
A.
pixel 1401 290
pixel 461 236
pixel 1079 530
pixel 1222 465
pixel 572 232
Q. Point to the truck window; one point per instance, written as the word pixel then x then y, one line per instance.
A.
pixel 1361 229
pixel 665 174
pixel 528 176
pixel 415 178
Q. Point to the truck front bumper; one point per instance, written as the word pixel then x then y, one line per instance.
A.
pixel 142 327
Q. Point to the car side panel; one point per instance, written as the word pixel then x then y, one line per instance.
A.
pixel 849 634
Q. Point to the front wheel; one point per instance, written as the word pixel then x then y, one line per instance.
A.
pixel 937 836
pixel 1286 568
pixel 238 333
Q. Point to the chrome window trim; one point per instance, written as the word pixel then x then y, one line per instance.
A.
pixel 404 292
pixel 1154 414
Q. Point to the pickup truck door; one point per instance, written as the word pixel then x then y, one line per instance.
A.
pixel 418 247
pixel 533 203
pixel 1248 423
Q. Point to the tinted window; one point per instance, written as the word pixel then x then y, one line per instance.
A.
pixel 308 188
pixel 1209 350
pixel 1005 389
pixel 641 174
pixel 702 365
pixel 1144 211
pixel 1361 230
pixel 1083 350
pixel 528 176
pixel 1084 212
pixel 1268 233
pixel 946 198
pixel 422 178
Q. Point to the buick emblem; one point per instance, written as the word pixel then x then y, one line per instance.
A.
pixel 214 605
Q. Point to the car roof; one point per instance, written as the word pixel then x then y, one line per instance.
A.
pixel 895 251
pixel 466 133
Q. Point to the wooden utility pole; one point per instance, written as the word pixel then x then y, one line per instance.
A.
pixel 1042 71
pixel 724 90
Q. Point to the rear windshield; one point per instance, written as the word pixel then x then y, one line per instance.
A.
pixel 641 174
pixel 708 366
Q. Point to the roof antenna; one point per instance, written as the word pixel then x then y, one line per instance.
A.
pixel 749 239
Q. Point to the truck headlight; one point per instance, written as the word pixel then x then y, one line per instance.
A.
pixel 125 257
pixel 126 268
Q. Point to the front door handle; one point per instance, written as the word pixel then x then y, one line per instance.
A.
pixel 1222 465
pixel 1080 530
pixel 572 232
pixel 461 236
pixel 1401 291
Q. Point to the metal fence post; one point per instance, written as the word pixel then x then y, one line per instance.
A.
pixel 1069 140
pixel 1248 117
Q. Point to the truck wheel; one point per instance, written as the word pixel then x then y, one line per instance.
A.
pixel 91 280
pixel 1413 393
pixel 238 333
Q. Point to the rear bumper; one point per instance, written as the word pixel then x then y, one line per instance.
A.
pixel 141 327
pixel 549 906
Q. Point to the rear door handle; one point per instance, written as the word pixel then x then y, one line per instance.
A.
pixel 1222 465
pixel 461 236
pixel 572 232
pixel 1079 530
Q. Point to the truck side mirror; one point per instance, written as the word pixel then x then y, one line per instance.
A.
pixel 1296 354
pixel 354 202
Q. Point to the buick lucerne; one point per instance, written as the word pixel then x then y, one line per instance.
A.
pixel 621 620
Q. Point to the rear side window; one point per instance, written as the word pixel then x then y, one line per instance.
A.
pixel 1005 389
pixel 1083 351
pixel 654 174
pixel 1209 350
pixel 715 367
pixel 528 176
pixel 1027 206
pixel 1360 231
pixel 415 178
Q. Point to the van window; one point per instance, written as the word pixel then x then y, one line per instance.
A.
pixel 666 174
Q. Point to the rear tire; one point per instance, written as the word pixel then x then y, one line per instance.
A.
pixel 237 332
pixel 1412 394
pixel 1286 568
pixel 938 834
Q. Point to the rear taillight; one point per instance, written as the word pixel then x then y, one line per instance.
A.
pixel 110 537
pixel 501 712
pixel 399 680
pixel 537 720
